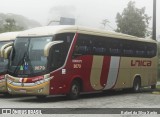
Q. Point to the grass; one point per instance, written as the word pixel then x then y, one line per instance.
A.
pixel 158 86
pixel 157 92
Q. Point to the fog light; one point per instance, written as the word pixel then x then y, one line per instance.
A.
pixel 40 90
pixel 9 90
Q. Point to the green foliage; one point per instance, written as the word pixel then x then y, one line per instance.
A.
pixel 133 21
pixel 10 26
pixel 12 22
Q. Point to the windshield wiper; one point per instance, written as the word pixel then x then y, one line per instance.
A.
pixel 24 60
pixel 21 62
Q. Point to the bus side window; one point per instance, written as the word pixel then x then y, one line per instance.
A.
pixel 151 50
pixel 59 51
pixel 83 46
pixel 114 47
pixel 81 50
pixel 129 49
pixel 98 46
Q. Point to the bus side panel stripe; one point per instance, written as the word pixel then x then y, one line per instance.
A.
pixel 86 72
pixel 105 70
pixel 96 72
pixel 117 73
pixel 113 72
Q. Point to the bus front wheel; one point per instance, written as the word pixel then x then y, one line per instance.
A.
pixel 74 90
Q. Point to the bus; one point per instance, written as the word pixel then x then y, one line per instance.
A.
pixel 6 42
pixel 70 60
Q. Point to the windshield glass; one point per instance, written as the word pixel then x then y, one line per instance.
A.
pixel 3 62
pixel 27 56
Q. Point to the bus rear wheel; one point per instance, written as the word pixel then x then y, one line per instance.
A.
pixel 136 85
pixel 153 86
pixel 74 90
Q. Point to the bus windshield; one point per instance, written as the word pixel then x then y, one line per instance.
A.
pixel 3 62
pixel 27 56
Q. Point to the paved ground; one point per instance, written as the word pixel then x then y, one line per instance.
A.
pixel 110 99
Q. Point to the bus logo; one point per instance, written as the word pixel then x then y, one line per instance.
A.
pixel 145 63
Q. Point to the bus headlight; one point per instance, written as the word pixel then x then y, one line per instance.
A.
pixel 41 81
pixel 9 81
pixel 38 82
pixel 40 90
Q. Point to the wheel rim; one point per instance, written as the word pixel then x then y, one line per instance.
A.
pixel 137 87
pixel 75 89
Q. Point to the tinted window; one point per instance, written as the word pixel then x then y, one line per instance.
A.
pixel 59 52
pixel 97 45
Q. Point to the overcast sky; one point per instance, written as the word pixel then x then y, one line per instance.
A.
pixel 86 12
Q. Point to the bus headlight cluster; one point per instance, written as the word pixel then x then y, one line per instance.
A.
pixel 46 76
pixel 38 82
pixel 43 81
pixel 3 80
pixel 9 81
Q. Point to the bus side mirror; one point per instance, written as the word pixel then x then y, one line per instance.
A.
pixel 2 49
pixel 48 47
pixel 7 52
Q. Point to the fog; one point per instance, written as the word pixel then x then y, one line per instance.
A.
pixel 86 12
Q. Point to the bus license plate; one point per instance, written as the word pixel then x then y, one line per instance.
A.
pixel 22 90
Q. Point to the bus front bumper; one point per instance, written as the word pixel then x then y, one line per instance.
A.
pixel 36 88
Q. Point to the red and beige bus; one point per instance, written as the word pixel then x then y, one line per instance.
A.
pixel 6 42
pixel 72 59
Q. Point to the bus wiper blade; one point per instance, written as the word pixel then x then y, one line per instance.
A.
pixel 21 62
pixel 25 60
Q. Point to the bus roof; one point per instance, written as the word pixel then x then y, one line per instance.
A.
pixel 8 36
pixel 51 30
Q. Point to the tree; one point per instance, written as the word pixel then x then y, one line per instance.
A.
pixel 133 21
pixel 10 25
pixel 105 23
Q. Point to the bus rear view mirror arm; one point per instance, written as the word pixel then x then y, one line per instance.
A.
pixel 7 52
pixel 48 47
pixel 2 49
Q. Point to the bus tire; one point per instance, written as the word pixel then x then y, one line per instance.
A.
pixel 7 94
pixel 136 85
pixel 41 97
pixel 74 90
pixel 153 86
